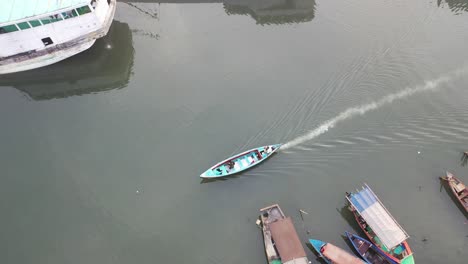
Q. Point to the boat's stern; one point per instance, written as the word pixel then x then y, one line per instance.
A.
pixel 277 146
pixel 348 235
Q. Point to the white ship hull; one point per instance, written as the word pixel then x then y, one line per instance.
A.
pixel 61 50
pixel 45 60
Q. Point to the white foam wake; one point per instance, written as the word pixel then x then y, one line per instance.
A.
pixel 362 109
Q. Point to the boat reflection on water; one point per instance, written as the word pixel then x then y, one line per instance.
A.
pixel 264 12
pixel 107 65
pixel 457 6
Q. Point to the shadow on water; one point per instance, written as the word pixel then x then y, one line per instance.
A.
pixel 456 6
pixel 107 65
pixel 264 12
pixel 464 158
pixel 347 215
pixel 350 245
pixel 448 190
pixel 204 180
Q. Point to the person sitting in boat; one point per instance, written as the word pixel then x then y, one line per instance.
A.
pixel 268 150
pixel 259 154
pixel 362 221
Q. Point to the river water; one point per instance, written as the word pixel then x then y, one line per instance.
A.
pixel 101 154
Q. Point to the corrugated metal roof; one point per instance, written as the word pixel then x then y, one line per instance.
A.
pixel 377 217
pixel 12 10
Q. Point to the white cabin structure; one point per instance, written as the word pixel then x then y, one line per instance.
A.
pixel 37 33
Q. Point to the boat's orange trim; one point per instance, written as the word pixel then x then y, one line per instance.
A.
pixel 408 249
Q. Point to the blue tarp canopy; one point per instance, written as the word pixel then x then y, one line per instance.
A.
pixel 377 217
pixel 12 10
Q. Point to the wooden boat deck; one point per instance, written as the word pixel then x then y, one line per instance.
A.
pixel 459 189
pixel 363 248
pixel 287 241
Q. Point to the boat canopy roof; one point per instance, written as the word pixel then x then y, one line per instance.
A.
pixel 377 217
pixel 12 10
pixel 287 242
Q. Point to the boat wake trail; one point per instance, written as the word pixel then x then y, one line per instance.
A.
pixel 362 109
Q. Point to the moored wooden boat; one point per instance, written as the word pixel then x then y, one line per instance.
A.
pixel 282 244
pixel 459 189
pixel 380 226
pixel 368 251
pixel 240 162
pixel 333 254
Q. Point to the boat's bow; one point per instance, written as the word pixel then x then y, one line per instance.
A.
pixel 448 176
pixel 318 245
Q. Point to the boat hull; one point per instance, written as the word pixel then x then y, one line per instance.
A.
pixel 46 59
pixel 458 190
pixel 368 251
pixel 240 162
